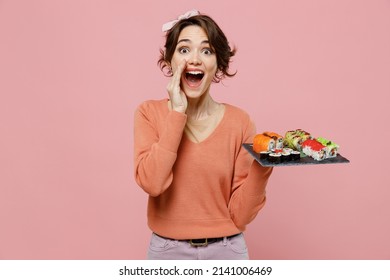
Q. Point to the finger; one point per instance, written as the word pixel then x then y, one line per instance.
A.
pixel 179 70
pixel 173 86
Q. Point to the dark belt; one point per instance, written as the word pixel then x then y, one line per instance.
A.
pixel 202 242
pixel 205 241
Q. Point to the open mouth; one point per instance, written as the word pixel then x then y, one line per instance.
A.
pixel 194 78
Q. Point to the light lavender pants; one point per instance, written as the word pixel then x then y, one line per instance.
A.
pixel 230 248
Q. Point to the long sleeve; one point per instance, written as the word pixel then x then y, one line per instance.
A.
pixel 155 146
pixel 249 183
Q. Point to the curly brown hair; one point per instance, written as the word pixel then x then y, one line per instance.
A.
pixel 217 39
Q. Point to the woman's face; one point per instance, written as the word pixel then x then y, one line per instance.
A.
pixel 201 61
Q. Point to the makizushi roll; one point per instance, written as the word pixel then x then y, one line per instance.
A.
pixel 295 155
pixel 331 147
pixel 294 138
pixel 286 156
pixel 264 154
pixel 314 149
pixel 264 142
pixel 277 137
pixel 275 157
pixel 298 132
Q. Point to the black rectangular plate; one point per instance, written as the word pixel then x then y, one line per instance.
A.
pixel 302 161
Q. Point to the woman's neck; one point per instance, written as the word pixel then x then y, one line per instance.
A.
pixel 201 108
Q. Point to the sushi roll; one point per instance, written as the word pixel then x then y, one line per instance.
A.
pixel 297 142
pixel 278 139
pixel 262 142
pixel 275 157
pixel 286 156
pixel 294 138
pixel 295 155
pixel 288 139
pixel 298 132
pixel 264 154
pixel 331 147
pixel 314 149
pixel 294 142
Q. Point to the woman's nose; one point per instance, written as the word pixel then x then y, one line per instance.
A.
pixel 194 59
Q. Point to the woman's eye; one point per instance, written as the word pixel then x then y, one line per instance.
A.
pixel 183 50
pixel 207 51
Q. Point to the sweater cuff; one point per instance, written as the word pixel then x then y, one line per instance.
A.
pixel 173 132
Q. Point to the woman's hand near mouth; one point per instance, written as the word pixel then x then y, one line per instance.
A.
pixel 178 98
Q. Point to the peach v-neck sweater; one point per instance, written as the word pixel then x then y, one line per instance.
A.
pixel 197 190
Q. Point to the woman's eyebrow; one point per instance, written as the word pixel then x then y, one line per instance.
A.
pixel 189 41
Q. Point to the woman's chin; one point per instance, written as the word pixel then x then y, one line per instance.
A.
pixel 194 94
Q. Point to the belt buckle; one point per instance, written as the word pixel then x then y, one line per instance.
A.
pixel 199 244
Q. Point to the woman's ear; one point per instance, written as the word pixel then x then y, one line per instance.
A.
pixel 169 69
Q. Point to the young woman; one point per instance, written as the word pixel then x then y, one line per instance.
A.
pixel 203 187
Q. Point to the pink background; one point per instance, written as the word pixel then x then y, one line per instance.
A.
pixel 72 73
